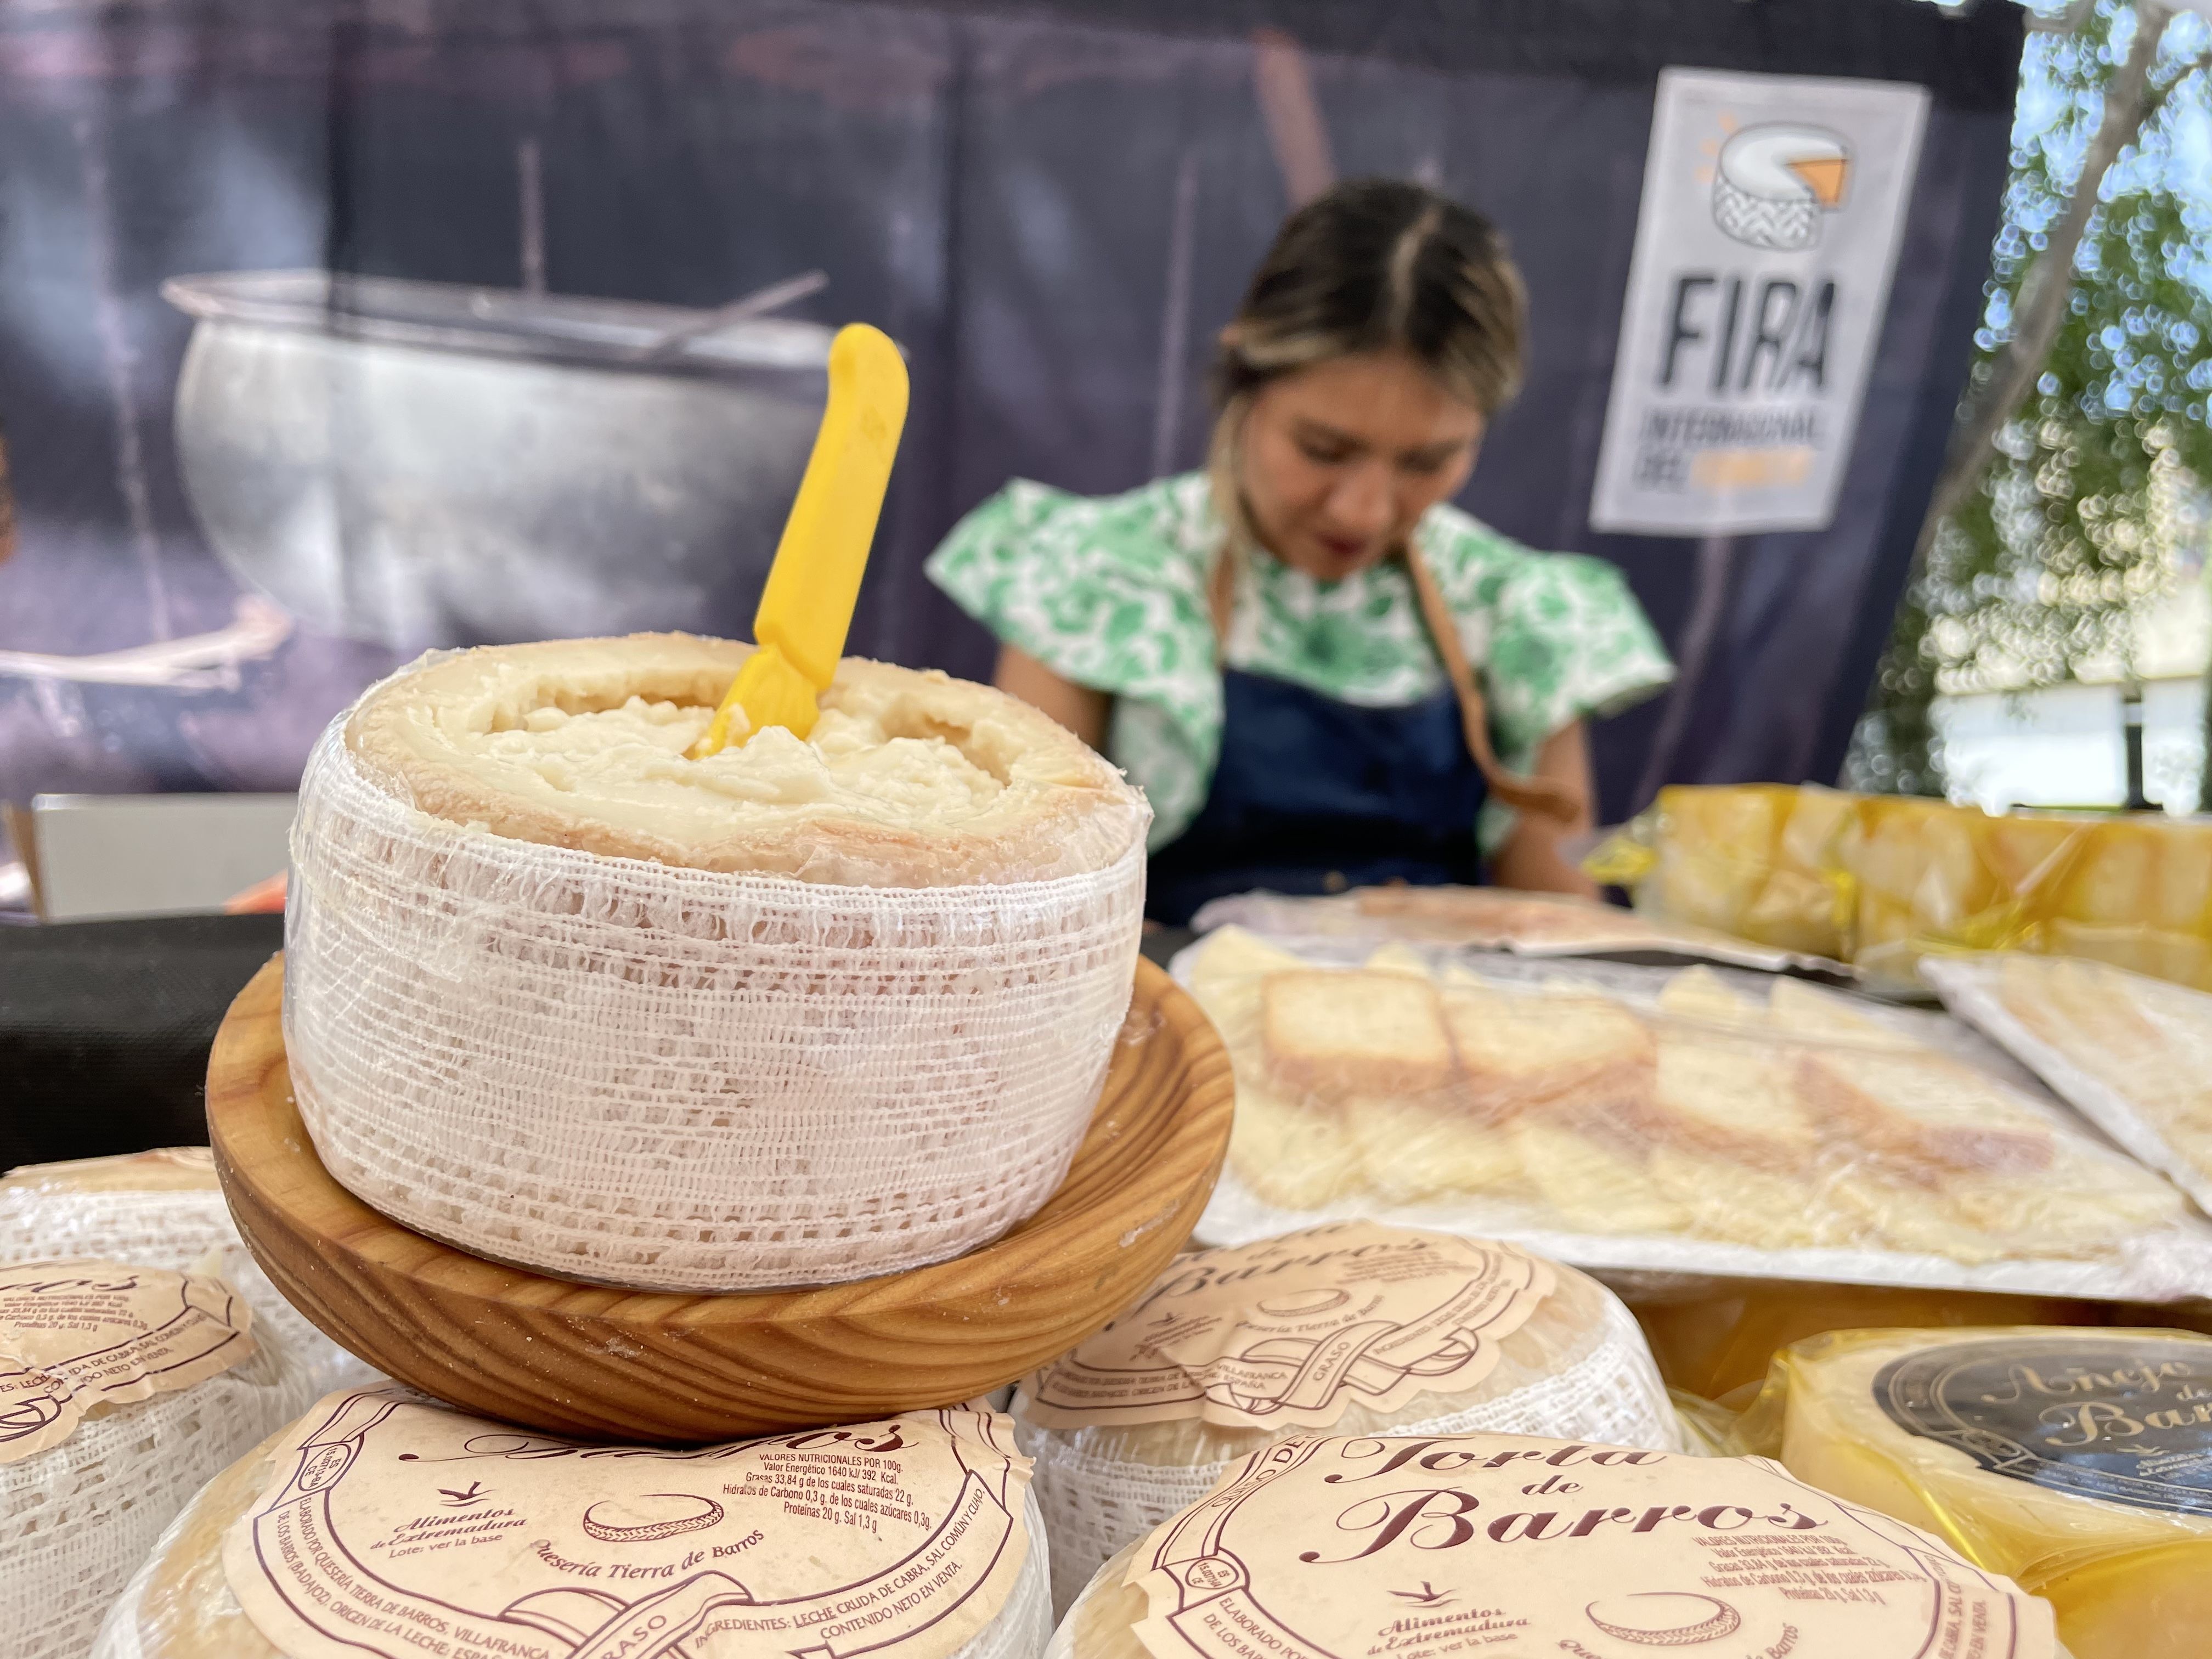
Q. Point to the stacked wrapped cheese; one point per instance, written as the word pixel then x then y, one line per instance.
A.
pixel 384 1524
pixel 1697 1130
pixel 1382 1545
pixel 1355 1327
pixel 2077 1462
pixel 162 1208
pixel 123 1389
pixel 802 1011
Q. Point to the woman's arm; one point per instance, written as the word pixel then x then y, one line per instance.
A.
pixel 1530 858
pixel 1080 709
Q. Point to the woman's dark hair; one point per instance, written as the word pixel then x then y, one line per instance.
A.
pixel 1379 264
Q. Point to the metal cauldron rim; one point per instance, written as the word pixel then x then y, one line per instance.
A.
pixel 498 322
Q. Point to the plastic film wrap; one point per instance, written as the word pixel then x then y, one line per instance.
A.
pixel 1577 1367
pixel 1879 881
pixel 2131 1053
pixel 180 1604
pixel 2078 1463
pixel 162 1208
pixel 1796 1137
pixel 77 1518
pixel 1494 919
pixel 684 1079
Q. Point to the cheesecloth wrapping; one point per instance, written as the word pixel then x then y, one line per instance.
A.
pixel 178 1605
pixel 1601 1386
pixel 77 1518
pixel 52 1219
pixel 678 1080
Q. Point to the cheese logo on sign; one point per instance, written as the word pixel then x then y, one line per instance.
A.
pixel 1773 209
pixel 1774 182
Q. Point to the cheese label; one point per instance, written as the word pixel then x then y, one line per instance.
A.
pixel 82 1333
pixel 1406 1547
pixel 2125 1419
pixel 1289 1332
pixel 393 1525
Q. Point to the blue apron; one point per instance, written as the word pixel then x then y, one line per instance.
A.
pixel 1312 795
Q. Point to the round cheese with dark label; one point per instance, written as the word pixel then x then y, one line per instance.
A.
pixel 2077 1462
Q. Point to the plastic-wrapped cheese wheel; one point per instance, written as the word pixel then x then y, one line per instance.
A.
pixel 1516 1546
pixel 1353 1328
pixel 2076 1461
pixel 160 1209
pixel 385 1524
pixel 122 1390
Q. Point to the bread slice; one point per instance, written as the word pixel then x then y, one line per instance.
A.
pixel 1330 1035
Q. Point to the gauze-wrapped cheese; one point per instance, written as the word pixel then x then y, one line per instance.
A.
pixel 161 1209
pixel 1353 1328
pixel 1499 1544
pixel 122 1389
pixel 2078 1463
pixel 384 1524
pixel 801 1012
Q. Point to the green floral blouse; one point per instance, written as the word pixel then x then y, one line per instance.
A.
pixel 1111 593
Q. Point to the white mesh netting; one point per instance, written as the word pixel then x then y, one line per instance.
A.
pixel 179 1606
pixel 1606 1389
pixel 77 1519
pixel 53 1220
pixel 679 1079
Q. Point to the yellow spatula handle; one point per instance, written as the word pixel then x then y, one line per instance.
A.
pixel 806 609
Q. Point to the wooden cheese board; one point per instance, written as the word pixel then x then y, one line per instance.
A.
pixel 584 1359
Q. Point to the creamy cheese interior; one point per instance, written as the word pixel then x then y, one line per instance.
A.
pixel 631 764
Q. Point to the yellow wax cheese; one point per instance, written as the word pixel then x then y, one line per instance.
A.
pixel 2077 1462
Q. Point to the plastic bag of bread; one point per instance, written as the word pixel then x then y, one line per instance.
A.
pixel 1353 1328
pixel 562 994
pixel 159 1209
pixel 2078 1463
pixel 382 1523
pixel 2131 1053
pixel 1491 919
pixel 1502 1544
pixel 122 1389
pixel 1795 1133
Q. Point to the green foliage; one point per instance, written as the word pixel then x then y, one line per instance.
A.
pixel 2094 505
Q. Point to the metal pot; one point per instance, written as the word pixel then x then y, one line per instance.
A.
pixel 420 464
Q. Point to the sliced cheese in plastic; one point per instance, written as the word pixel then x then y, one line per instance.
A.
pixel 1353 1328
pixel 2078 1463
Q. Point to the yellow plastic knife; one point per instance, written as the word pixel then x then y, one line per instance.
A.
pixel 807 606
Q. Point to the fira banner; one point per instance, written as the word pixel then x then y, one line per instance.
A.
pixel 1773 210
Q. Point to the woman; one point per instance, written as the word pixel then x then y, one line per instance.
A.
pixel 1280 650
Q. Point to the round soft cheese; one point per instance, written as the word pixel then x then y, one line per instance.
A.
pixel 908 780
pixel 797 1014
pixel 1351 1329
pixel 1501 1544
pixel 162 1208
pixel 123 1389
pixel 383 1524
pixel 2077 1462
